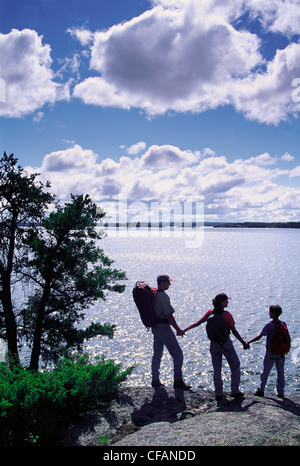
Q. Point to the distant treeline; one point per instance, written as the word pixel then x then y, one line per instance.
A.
pixel 259 225
pixel 211 224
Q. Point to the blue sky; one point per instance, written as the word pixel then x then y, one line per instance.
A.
pixel 164 99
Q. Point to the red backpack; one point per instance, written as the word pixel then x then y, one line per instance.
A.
pixel 281 341
pixel 143 296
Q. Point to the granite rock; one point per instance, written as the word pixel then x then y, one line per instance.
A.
pixel 143 416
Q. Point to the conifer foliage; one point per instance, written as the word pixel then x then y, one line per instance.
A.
pixel 56 257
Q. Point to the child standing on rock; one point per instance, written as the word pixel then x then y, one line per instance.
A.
pixel 276 348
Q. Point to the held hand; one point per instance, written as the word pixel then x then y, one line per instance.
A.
pixel 246 346
pixel 180 333
pixel 188 328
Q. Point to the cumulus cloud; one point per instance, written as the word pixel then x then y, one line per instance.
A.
pixel 190 56
pixel 279 16
pixel 85 36
pixel 167 156
pixel 287 157
pixel 267 97
pixel 74 158
pixel 237 190
pixel 180 55
pixel 295 172
pixel 261 160
pixel 26 71
pixel 136 148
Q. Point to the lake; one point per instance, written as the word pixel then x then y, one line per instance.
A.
pixel 255 267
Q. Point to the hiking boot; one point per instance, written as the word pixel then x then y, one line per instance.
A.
pixel 280 395
pixel 181 384
pixel 237 395
pixel 220 397
pixel 259 393
pixel 156 384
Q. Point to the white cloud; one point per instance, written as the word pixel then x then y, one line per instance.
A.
pixel 188 56
pixel 286 157
pixel 267 97
pixel 26 70
pixel 37 117
pixel 261 160
pixel 295 172
pixel 136 148
pixel 85 36
pixel 167 157
pixel 180 55
pixel 277 15
pixel 168 59
pixel 265 202
pixel 96 91
pixel 241 189
pixel 73 158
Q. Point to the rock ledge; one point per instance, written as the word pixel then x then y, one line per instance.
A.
pixel 143 416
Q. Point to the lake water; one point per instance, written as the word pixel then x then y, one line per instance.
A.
pixel 255 267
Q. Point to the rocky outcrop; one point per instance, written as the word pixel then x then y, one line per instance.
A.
pixel 141 416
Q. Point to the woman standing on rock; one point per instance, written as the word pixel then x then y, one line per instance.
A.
pixel 218 328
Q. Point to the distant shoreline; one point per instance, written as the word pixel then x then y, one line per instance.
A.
pixel 259 225
pixel 150 225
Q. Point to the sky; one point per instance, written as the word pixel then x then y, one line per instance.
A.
pixel 157 100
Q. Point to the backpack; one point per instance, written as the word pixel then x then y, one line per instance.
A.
pixel 143 296
pixel 216 328
pixel 281 341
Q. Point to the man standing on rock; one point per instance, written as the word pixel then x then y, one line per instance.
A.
pixel 164 335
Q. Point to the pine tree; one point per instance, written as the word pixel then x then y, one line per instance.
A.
pixel 23 202
pixel 69 271
pixel 55 254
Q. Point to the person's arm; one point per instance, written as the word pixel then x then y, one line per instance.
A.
pixel 258 337
pixel 199 322
pixel 174 324
pixel 238 336
pixel 195 324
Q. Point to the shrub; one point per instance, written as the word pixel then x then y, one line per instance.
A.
pixel 36 406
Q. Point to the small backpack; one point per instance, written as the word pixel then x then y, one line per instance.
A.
pixel 216 328
pixel 281 341
pixel 143 296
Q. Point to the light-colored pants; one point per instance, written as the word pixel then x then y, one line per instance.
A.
pixel 269 361
pixel 164 336
pixel 217 351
